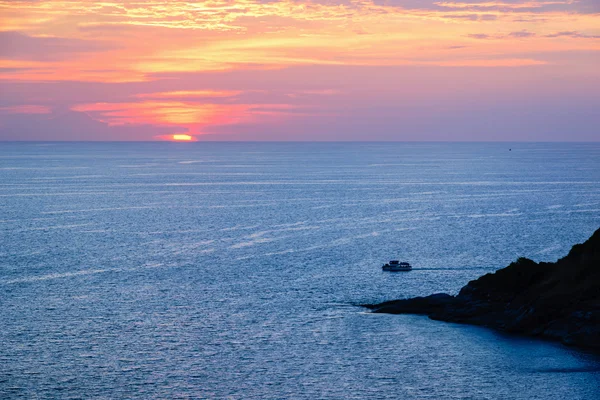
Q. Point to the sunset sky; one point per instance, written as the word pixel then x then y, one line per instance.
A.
pixel 299 70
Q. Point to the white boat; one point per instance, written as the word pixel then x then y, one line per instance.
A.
pixel 396 265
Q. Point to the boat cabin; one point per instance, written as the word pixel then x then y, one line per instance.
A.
pixel 396 265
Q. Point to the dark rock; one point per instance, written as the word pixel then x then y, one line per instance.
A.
pixel 558 300
pixel 417 305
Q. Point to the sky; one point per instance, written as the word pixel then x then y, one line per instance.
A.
pixel 285 70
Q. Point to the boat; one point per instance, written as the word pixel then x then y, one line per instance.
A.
pixel 396 265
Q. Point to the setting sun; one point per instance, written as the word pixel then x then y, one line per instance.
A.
pixel 182 138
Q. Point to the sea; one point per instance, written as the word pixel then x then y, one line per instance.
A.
pixel 237 270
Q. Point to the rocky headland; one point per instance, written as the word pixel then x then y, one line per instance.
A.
pixel 559 301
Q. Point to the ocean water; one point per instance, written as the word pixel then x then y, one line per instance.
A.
pixel 234 270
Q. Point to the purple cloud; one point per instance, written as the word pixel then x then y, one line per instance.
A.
pixel 573 34
pixel 521 34
pixel 517 35
pixel 363 103
pixel 526 6
pixel 480 36
pixel 75 126
pixel 16 45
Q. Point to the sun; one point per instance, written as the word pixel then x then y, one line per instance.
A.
pixel 183 138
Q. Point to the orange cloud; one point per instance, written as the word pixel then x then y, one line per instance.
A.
pixel 145 45
pixel 192 115
pixel 189 94
pixel 220 34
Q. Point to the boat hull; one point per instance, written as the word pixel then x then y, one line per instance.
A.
pixel 396 269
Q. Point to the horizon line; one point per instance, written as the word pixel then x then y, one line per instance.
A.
pixel 297 141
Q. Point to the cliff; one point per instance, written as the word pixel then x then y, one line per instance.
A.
pixel 558 300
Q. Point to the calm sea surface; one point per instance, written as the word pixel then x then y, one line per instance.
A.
pixel 222 270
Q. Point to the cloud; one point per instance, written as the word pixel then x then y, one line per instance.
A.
pixel 514 6
pixel 13 70
pixel 192 95
pixel 471 17
pixel 524 34
pixel 573 34
pixel 521 34
pixel 25 109
pixel 16 45
pixel 285 65
pixel 333 103
pixel 480 36
pixel 75 126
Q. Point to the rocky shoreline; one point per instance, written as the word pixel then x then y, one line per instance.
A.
pixel 559 301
